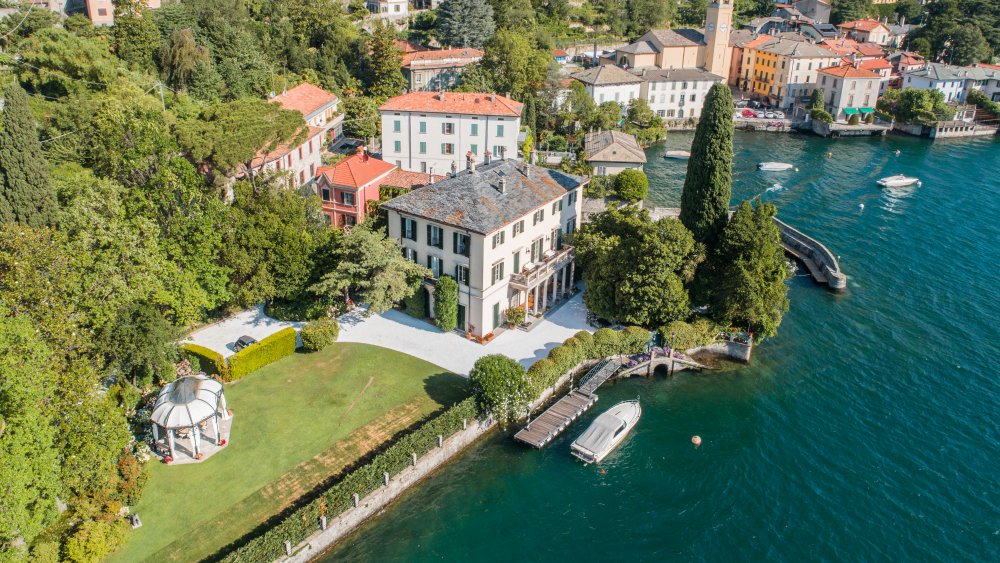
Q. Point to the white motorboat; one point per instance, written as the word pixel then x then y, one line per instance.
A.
pixel 774 166
pixel 898 181
pixel 677 154
pixel 606 432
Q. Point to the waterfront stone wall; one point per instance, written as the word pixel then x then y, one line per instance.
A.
pixel 728 349
pixel 815 251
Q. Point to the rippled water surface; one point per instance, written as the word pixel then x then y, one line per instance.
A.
pixel 867 430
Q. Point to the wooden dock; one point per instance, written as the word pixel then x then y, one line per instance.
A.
pixel 558 417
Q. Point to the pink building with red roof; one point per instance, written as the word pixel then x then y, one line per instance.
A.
pixel 867 31
pixel 347 187
pixel 318 107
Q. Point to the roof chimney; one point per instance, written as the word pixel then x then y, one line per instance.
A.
pixel 470 162
pixel 454 169
pixel 486 157
pixel 502 187
pixel 503 153
pixel 430 176
pixel 526 169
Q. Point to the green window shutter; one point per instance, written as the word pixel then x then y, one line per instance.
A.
pixel 429 239
pixel 517 261
pixel 454 241
pixel 402 227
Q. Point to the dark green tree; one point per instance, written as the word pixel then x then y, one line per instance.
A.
pixel 26 194
pixel 691 13
pixel 386 79
pixel 134 36
pixel 180 57
pixel 465 23
pixel 140 346
pixel 635 269
pixel 361 117
pixel 849 10
pixel 909 9
pixel 816 99
pixel 501 388
pixel 744 276
pixel 518 67
pixel 632 185
pixel 446 303
pixel 968 46
pixel 708 185
pixel 529 117
pixel 605 116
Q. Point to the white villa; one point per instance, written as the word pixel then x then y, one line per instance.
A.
pixel 498 230
pixel 609 83
pixel 610 152
pixel 434 132
pixel 677 93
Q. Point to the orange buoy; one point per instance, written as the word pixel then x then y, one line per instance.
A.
pixel 696 440
pixel 603 472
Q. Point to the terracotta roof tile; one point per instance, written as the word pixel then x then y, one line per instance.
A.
pixel 862 25
pixel 409 180
pixel 305 99
pixel 559 53
pixel 875 64
pixel 356 171
pixel 848 71
pixel 455 102
pixel 285 148
pixel 429 58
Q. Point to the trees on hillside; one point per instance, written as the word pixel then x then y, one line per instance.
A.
pixel 501 388
pixel 465 23
pixel 744 275
pixel 708 184
pixel 383 62
pixel 26 194
pixel 635 270
pixel 180 57
pixel 517 66
pixel 134 36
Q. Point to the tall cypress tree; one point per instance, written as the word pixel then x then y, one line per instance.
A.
pixel 26 193
pixel 530 115
pixel 708 185
pixel 384 63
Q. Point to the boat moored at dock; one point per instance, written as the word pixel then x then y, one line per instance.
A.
pixel 606 432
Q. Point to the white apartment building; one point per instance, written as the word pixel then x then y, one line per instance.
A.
pixel 954 81
pixel 848 90
pixel 610 83
pixel 437 131
pixel 298 163
pixel 498 230
pixel 390 9
pixel 677 93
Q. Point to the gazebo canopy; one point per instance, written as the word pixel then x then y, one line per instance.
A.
pixel 186 402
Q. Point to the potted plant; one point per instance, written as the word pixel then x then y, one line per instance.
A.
pixel 515 316
pixel 468 332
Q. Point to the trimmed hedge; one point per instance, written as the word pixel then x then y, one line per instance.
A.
pixel 584 346
pixel 317 335
pixel 211 362
pixel 256 356
pixel 364 480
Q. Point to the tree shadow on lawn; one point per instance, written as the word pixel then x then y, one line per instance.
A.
pixel 446 388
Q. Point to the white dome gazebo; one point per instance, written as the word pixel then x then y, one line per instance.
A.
pixel 184 405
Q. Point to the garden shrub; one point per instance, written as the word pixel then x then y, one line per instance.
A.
pixel 870 118
pixel 690 335
pixel 564 357
pixel 586 341
pixel 305 307
pixel 821 115
pixel 317 335
pixel 338 498
pixel 515 315
pixel 543 374
pixel 606 343
pixel 500 387
pixel 94 540
pixel 854 120
pixel 416 303
pixel 632 185
pixel 256 356
pixel 633 339
pixel 446 303
pixel 210 361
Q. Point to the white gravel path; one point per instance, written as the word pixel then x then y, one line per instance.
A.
pixel 451 351
pixel 253 322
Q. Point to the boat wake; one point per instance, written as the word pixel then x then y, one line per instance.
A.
pixel 775 188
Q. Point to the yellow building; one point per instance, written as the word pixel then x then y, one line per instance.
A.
pixel 782 71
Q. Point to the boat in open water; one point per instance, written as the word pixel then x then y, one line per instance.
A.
pixel 774 166
pixel 898 181
pixel 606 432
pixel 683 155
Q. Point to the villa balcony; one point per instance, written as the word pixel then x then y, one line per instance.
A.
pixel 534 273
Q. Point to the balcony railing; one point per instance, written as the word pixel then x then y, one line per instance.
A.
pixel 535 272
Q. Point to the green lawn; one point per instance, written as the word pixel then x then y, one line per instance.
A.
pixel 295 423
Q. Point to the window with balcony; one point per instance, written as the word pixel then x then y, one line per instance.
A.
pixel 408 228
pixel 461 244
pixel 556 240
pixel 497 272
pixel 435 236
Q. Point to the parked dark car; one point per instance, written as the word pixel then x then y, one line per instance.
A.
pixel 243 341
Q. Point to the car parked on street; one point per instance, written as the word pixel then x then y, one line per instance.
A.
pixel 769 115
pixel 779 114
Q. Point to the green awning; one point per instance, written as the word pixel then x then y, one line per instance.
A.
pixel 850 111
pixel 867 110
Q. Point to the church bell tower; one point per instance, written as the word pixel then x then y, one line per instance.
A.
pixel 718 25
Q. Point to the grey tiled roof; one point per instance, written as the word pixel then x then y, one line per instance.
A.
pixel 612 146
pixel 940 71
pixel 606 75
pixel 474 202
pixel 677 37
pixel 679 75
pixel 639 48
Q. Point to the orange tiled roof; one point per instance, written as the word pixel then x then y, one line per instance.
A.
pixel 455 102
pixel 305 98
pixel 356 171
pixel 870 50
pixel 408 46
pixel 848 71
pixel 757 41
pixel 409 180
pixel 442 54
pixel 861 25
pixel 559 53
pixel 985 65
pixel 875 64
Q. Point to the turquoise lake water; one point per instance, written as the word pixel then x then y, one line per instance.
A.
pixel 867 430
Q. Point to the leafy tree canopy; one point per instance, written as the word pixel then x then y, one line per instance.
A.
pixel 501 388
pixel 465 23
